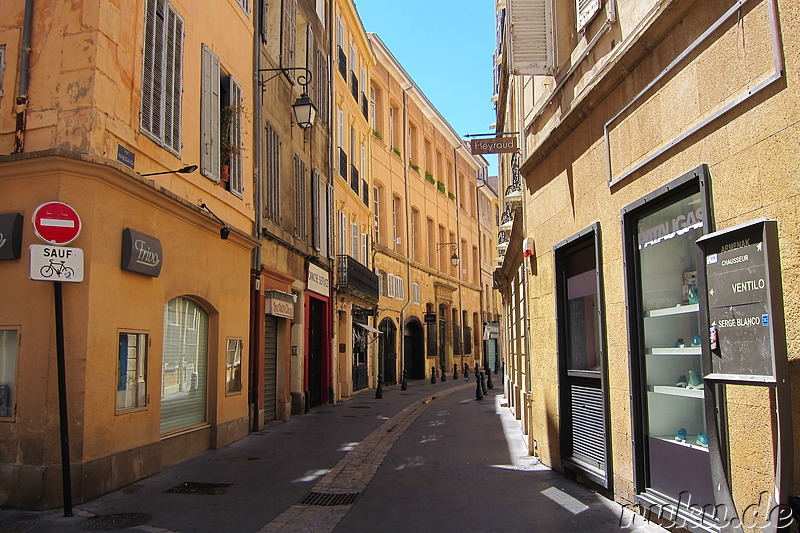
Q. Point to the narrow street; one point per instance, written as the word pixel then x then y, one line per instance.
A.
pixel 431 443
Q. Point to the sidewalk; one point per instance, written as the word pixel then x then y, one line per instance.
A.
pixel 427 459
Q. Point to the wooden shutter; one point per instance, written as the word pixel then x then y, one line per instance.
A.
pixel 152 68
pixel 586 10
pixel 531 30
pixel 264 12
pixel 354 245
pixel 365 248
pixel 328 214
pixel 316 211
pixel 390 285
pixel 342 233
pixel 288 35
pixel 272 164
pixel 236 185
pixel 209 115
pixel 173 86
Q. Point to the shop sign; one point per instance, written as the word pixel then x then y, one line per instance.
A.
pixel 318 280
pixel 11 236
pixel 741 316
pixel 430 318
pixel 495 145
pixel 491 331
pixel 141 253
pixel 56 263
pixel 279 303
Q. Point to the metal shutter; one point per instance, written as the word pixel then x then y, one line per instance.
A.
pixel 588 426
pixel 270 368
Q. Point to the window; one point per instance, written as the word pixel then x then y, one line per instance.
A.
pixel 354 244
pixel 392 143
pixel 245 5
pixel 431 242
pixel 365 249
pixel 162 75
pixel 376 210
pixel 272 174
pixel 532 39
pixel 9 346
pixel 132 371
pixel 390 285
pixel 300 230
pixel 413 245
pixel 381 283
pixel 399 291
pixel 233 366
pixel 220 124
pixel 289 35
pixel 183 367
pixel 412 144
pixel 586 10
pixel 372 123
pixel 342 233
pixel 319 212
pixel 321 87
pixel 416 292
pixel 396 224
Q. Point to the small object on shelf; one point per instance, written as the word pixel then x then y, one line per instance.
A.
pixel 712 335
pixel 681 381
pixel 681 435
pixel 689 285
pixel 693 294
pixel 696 340
pixel 680 343
pixel 695 381
pixel 702 439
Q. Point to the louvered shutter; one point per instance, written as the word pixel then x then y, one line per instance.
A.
pixel 390 285
pixel 236 185
pixel 289 32
pixel 354 240
pixel 586 10
pixel 316 211
pixel 329 219
pixel 152 68
pixel 365 249
pixel 264 12
pixel 531 27
pixel 209 115
pixel 342 234
pixel 173 87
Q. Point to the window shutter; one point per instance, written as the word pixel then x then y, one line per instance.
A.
pixel 264 20
pixel 354 245
pixel 236 182
pixel 390 285
pixel 173 88
pixel 316 211
pixel 152 68
pixel 329 206
pixel 272 164
pixel 289 36
pixel 209 115
pixel 365 248
pixel 586 10
pixel 300 230
pixel 531 30
pixel 342 234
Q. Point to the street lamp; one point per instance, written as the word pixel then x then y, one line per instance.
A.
pixel 304 110
pixel 188 169
pixel 453 258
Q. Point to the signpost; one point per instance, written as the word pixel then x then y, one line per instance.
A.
pixel 58 224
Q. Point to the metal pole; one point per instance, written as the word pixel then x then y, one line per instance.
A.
pixel 62 399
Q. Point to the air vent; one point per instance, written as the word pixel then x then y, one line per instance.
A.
pixel 328 500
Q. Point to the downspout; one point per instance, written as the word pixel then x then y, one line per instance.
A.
pixel 480 265
pixel 408 233
pixel 332 215
pixel 24 78
pixel 460 270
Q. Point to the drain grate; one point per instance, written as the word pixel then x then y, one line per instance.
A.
pixel 241 459
pixel 327 499
pixel 203 489
pixel 115 521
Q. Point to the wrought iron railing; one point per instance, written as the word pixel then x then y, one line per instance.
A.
pixel 354 181
pixel 354 85
pixel 516 181
pixel 356 279
pixel 342 63
pixel 342 163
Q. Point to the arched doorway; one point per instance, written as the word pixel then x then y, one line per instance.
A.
pixel 387 351
pixel 414 350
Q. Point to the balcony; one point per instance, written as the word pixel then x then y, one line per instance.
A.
pixel 354 85
pixel 342 63
pixel 342 163
pixel 356 280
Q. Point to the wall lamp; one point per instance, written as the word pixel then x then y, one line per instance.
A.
pixel 304 110
pixel 224 231
pixel 453 258
pixel 188 169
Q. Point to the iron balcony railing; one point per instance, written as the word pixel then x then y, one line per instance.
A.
pixel 356 279
pixel 364 105
pixel 342 163
pixel 354 85
pixel 365 192
pixel 354 181
pixel 342 63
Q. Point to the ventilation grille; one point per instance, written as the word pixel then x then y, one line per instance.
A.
pixel 326 500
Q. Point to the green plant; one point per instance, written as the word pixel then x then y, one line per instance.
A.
pixel 441 187
pixel 229 117
pixel 377 134
pixel 451 196
pixel 429 177
pixel 397 151
pixel 412 165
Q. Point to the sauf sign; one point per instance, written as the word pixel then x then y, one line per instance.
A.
pixel 56 224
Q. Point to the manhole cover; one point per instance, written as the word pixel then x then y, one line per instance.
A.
pixel 327 499
pixel 203 489
pixel 115 521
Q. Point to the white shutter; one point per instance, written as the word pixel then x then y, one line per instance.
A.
pixel 342 234
pixel 173 81
pixel 329 244
pixel 531 30
pixel 390 285
pixel 153 69
pixel 400 292
pixel 316 211
pixel 209 115
pixel 365 248
pixel 586 10
pixel 236 185
pixel 354 244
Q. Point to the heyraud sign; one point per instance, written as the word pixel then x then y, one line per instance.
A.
pixel 141 253
pixel 495 145
pixel 10 236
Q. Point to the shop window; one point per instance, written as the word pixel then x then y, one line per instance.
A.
pixel 233 366
pixel 183 367
pixel 132 371
pixel 9 345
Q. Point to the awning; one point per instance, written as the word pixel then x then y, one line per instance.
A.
pixel 368 328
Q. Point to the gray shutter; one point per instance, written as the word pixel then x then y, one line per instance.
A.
pixel 329 244
pixel 209 116
pixel 236 185
pixel 531 30
pixel 173 88
pixel 153 69
pixel 288 34
pixel 586 10
pixel 264 12
pixel 316 211
pixel 272 162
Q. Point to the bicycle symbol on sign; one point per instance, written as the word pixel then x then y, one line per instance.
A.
pixel 58 268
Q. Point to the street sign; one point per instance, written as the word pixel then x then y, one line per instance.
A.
pixel 56 223
pixel 56 263
pixel 495 145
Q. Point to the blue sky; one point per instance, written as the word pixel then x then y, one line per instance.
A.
pixel 447 47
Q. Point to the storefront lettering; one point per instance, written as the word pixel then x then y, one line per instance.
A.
pixel 677 226
pixel 735 245
pixel 750 285
pixel 734 260
pixel 146 255
pixel 739 322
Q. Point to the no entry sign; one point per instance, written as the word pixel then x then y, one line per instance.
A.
pixel 56 223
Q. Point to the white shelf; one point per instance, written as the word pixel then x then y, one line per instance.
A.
pixel 687 350
pixel 690 441
pixel 677 310
pixel 678 391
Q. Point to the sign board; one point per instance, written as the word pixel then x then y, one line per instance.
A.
pixel 430 318
pixel 10 236
pixel 125 156
pixel 56 263
pixel 56 223
pixel 741 290
pixel 494 145
pixel 279 303
pixel 318 280
pixel 141 253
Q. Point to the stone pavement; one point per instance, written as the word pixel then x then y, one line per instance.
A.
pixel 431 458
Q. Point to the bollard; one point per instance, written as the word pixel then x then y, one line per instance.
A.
pixel 455 371
pixel 483 384
pixel 477 371
pixel 466 371
pixel 433 374
pixel 404 383
pixel 489 383
pixel 379 389
pixel 444 376
pixel 478 390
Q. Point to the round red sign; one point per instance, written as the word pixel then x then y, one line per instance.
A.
pixel 56 223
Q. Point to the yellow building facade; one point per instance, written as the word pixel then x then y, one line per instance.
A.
pixel 650 133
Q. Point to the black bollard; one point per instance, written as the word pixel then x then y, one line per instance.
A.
pixel 483 384
pixel 477 371
pixel 466 371
pixel 455 370
pixel 444 376
pixel 433 374
pixel 404 383
pixel 379 389
pixel 478 390
pixel 489 383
